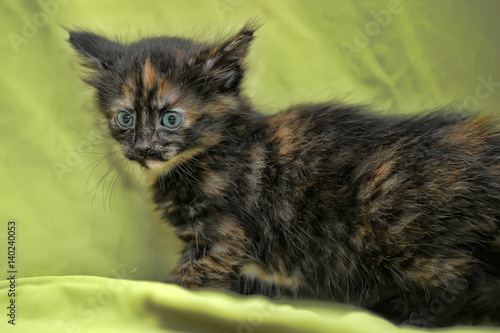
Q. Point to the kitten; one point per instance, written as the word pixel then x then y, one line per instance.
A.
pixel 399 215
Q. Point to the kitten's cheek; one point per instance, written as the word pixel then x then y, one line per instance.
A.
pixel 127 153
pixel 170 153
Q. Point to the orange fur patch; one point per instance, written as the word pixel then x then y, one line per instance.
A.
pixel 254 270
pixel 163 87
pixel 215 183
pixel 192 116
pixel 149 75
pixel 128 90
pixel 471 135
pixel 286 132
pixel 432 272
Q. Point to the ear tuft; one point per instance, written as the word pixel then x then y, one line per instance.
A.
pixel 238 47
pixel 98 52
pixel 223 63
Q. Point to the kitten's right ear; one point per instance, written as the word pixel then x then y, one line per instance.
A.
pixel 98 52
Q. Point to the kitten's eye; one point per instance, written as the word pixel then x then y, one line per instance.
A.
pixel 171 119
pixel 124 119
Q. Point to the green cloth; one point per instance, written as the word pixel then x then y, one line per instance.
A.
pixel 84 256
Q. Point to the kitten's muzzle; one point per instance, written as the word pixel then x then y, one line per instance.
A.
pixel 143 147
pixel 151 154
pixel 144 151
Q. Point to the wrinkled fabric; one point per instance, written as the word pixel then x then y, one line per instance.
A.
pixel 95 304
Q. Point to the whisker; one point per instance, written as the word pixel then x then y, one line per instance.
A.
pixel 112 168
pixel 98 161
pixel 116 179
pixel 141 176
pixel 103 179
pixel 88 135
pixel 82 149
pixel 161 183
pixel 115 172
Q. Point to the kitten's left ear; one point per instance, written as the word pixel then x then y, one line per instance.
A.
pixel 222 65
pixel 98 52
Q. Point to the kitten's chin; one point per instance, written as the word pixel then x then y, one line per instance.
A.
pixel 154 168
pixel 157 168
pixel 155 165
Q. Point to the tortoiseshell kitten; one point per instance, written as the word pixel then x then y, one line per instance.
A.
pixel 399 215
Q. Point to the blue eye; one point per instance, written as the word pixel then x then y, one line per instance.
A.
pixel 124 119
pixel 171 119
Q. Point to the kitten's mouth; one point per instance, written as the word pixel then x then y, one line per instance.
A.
pixel 152 162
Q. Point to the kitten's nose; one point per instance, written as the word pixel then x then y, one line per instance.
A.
pixel 143 146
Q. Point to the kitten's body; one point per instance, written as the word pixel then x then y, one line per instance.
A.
pixel 398 215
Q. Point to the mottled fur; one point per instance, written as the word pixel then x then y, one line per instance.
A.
pixel 400 215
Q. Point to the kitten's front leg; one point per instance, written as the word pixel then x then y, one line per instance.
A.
pixel 213 255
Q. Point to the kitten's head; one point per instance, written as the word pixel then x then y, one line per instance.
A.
pixel 166 99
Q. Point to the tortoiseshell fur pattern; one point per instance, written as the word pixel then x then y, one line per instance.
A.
pixel 331 202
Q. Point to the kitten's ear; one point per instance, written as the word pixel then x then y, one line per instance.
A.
pixel 222 65
pixel 98 52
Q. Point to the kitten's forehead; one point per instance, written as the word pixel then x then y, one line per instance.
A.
pixel 148 87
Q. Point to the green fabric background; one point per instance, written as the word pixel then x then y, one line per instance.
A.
pixel 84 256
